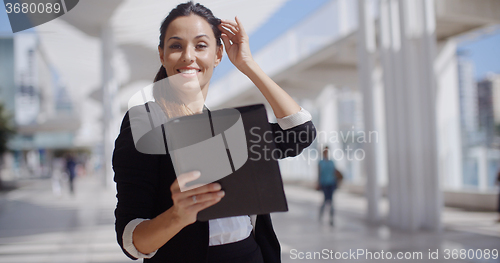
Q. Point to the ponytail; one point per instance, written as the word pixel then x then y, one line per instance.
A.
pixel 162 73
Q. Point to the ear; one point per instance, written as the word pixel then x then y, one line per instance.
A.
pixel 218 56
pixel 160 51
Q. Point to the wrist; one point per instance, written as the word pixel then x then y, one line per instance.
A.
pixel 250 69
pixel 172 220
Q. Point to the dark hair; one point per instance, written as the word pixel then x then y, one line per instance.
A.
pixel 187 9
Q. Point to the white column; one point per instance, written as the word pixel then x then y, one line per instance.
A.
pixel 408 52
pixel 432 195
pixel 109 89
pixel 365 52
pixel 328 126
pixel 390 48
pixel 410 94
pixel 385 45
pixel 482 168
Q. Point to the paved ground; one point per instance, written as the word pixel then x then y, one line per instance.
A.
pixel 38 226
pixel 300 231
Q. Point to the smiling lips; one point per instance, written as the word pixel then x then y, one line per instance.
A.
pixel 188 72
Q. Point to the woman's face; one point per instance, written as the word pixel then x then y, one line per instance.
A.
pixel 190 50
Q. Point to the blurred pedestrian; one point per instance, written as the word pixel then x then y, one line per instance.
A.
pixel 327 182
pixel 498 183
pixel 71 168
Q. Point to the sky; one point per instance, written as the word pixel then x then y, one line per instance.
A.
pixel 5 29
pixel 4 21
pixel 484 51
pixel 291 13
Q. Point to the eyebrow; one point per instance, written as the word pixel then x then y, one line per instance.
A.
pixel 178 38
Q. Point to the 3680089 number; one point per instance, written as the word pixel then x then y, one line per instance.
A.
pixel 470 253
pixel 32 8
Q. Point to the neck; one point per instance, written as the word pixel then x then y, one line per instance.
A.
pixel 196 102
pixel 196 106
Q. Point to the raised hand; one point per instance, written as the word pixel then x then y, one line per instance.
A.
pixel 236 44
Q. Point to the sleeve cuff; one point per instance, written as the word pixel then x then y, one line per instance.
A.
pixel 294 120
pixel 128 243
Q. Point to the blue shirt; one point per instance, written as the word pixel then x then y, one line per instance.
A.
pixel 326 172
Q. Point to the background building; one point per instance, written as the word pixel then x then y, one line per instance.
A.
pixel 44 114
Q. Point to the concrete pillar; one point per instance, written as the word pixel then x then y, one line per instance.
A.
pixel 365 51
pixel 408 52
pixel 387 50
pixel 110 110
pixel 433 195
pixel 328 126
pixel 482 168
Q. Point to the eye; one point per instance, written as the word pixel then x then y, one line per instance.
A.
pixel 201 46
pixel 175 46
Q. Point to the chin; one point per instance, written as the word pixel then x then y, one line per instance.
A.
pixel 191 86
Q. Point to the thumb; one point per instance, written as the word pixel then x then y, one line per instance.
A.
pixel 185 178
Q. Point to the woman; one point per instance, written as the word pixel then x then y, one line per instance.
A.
pixel 327 182
pixel 154 219
pixel 498 183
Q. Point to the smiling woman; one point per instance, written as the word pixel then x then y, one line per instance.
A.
pixel 190 44
pixel 155 220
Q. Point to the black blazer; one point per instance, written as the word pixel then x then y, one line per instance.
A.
pixel 143 191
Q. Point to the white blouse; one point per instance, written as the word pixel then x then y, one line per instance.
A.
pixel 221 230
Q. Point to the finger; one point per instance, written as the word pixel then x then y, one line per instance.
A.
pixel 233 29
pixel 187 188
pixel 200 206
pixel 229 22
pixel 201 198
pixel 213 187
pixel 179 196
pixel 227 32
pixel 186 198
pixel 183 179
pixel 240 26
pixel 227 44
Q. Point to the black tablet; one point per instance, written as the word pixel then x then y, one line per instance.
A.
pixel 229 146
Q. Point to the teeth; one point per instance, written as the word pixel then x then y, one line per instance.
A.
pixel 188 71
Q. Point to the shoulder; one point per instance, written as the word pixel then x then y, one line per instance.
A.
pixel 143 124
pixel 139 141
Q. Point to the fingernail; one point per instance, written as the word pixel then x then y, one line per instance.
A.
pixel 196 173
pixel 221 193
pixel 217 186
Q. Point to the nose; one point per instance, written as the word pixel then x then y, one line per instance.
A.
pixel 188 55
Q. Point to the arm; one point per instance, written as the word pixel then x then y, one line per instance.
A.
pixel 238 50
pixel 319 174
pixel 498 178
pixel 282 104
pixel 292 141
pixel 139 231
